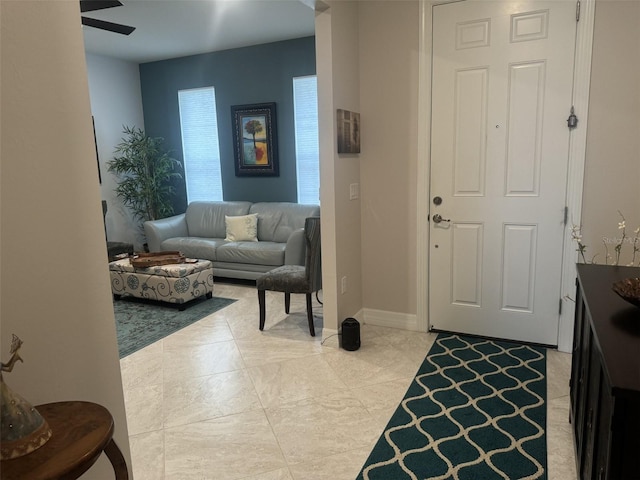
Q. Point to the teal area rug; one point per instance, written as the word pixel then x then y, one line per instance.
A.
pixel 476 410
pixel 140 323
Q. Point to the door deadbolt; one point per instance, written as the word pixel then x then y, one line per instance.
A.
pixel 437 200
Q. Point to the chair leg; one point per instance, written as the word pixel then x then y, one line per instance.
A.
pixel 287 302
pixel 261 301
pixel 312 330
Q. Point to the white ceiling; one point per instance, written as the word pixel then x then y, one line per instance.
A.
pixel 176 28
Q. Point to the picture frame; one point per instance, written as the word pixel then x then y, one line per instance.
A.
pixel 348 125
pixel 255 139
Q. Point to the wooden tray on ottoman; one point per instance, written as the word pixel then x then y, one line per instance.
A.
pixel 154 259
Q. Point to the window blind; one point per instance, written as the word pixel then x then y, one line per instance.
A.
pixel 305 106
pixel 200 148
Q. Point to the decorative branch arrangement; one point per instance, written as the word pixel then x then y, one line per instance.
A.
pixel 576 235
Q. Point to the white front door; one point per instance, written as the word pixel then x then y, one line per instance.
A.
pixel 502 80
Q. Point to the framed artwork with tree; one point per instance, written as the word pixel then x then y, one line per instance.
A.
pixel 255 139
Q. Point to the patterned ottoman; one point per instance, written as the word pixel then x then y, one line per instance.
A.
pixel 175 283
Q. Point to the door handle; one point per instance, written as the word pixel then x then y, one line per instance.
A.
pixel 437 218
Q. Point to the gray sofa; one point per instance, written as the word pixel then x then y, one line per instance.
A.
pixel 200 232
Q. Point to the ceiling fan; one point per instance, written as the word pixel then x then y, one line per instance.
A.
pixel 92 5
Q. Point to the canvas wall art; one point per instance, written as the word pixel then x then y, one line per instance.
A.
pixel 255 139
pixel 348 131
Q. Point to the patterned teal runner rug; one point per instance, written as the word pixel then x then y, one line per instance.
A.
pixel 140 323
pixel 476 410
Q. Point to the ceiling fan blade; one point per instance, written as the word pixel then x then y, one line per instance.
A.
pixel 109 26
pixel 91 5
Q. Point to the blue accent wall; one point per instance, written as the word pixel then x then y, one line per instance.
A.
pixel 241 76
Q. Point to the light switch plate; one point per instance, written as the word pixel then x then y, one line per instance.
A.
pixel 354 191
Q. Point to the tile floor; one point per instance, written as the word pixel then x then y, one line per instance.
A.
pixel 222 400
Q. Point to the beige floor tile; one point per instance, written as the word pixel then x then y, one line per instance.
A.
pixel 196 400
pixel 373 335
pixel 144 408
pixel 280 474
pixel 227 448
pixel 147 452
pixel 558 374
pixel 210 329
pixel 201 360
pixel 382 399
pixel 273 347
pixel 402 338
pixel 244 325
pixel 372 364
pixel 297 379
pixel 203 398
pixel 560 450
pixel 321 426
pixel 142 368
pixel 244 318
pixel 343 466
pixel 415 345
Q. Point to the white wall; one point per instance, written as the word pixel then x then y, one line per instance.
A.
pixel 116 100
pixel 389 100
pixel 338 88
pixel 55 291
pixel 612 172
pixel 389 103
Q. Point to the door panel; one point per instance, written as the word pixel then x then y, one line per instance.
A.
pixel 518 267
pixel 502 80
pixel 524 124
pixel 469 148
pixel 466 269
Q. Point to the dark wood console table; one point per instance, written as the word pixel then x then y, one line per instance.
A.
pixel 605 377
pixel 81 431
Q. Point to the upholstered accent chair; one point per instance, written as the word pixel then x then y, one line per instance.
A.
pixel 290 279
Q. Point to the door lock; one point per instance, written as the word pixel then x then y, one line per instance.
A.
pixel 437 218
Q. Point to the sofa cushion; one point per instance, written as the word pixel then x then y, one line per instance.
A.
pixel 277 220
pixel 194 247
pixel 262 253
pixel 243 228
pixel 206 219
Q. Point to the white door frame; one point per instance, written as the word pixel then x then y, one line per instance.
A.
pixel 577 152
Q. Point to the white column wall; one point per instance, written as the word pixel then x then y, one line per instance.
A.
pixel 338 87
pixel 54 285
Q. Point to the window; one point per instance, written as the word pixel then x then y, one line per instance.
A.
pixel 305 111
pixel 200 149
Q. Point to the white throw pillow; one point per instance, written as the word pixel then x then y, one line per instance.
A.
pixel 243 228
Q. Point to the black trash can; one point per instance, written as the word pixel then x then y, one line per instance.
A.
pixel 350 334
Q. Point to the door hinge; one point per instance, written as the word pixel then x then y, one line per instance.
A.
pixel 566 215
pixel 560 307
pixel 572 121
pixel 578 11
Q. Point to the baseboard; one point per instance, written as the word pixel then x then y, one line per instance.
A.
pixel 381 318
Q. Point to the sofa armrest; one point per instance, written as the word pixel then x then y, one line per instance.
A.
pixel 159 230
pixel 294 251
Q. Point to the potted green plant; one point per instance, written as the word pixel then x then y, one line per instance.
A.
pixel 145 172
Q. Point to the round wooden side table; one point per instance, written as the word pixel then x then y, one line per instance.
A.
pixel 81 431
